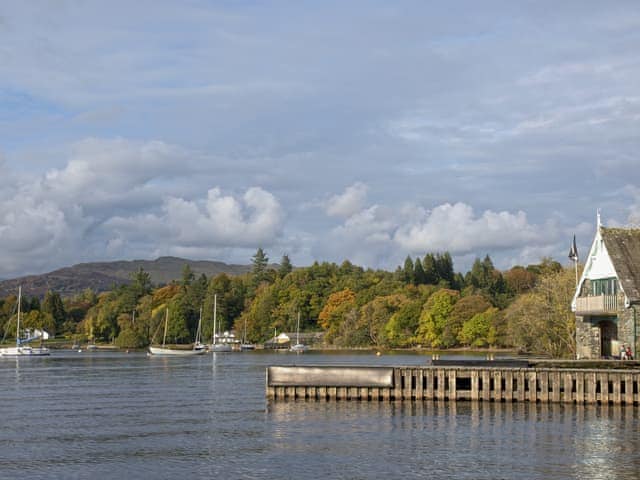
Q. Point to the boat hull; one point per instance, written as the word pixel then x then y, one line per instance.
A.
pixel 24 352
pixel 169 352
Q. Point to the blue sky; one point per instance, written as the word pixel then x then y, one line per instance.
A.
pixel 326 130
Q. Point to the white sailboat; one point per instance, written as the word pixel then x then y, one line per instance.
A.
pixel 298 347
pixel 164 351
pixel 216 345
pixel 22 349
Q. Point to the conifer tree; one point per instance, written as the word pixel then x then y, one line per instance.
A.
pixel 285 266
pixel 418 273
pixel 408 270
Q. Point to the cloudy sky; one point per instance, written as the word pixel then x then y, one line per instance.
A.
pixel 327 130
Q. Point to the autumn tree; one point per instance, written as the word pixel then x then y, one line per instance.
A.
pixel 336 307
pixel 542 321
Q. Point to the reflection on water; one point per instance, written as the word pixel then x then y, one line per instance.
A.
pixel 129 416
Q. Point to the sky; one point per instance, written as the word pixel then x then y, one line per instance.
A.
pixel 361 130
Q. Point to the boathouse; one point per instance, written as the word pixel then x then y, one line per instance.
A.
pixel 607 297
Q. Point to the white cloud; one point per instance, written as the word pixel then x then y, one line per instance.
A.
pixel 457 229
pixel 381 236
pixel 349 202
pixel 108 202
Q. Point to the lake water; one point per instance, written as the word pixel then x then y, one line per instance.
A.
pixel 122 416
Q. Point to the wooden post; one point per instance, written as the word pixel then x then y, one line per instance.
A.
pixel 407 394
pixel 452 394
pixel 616 379
pixel 566 394
pixel 579 376
pixel 322 393
pixel 604 388
pixel 419 384
pixel 332 393
pixel 440 393
pixel 475 385
pixel 341 393
pixel 554 378
pixel 429 395
pixel 520 378
pixel 375 394
pixel 497 385
pixel 591 387
pixel 532 394
pixel 508 385
pixel 364 394
pixel 543 377
pixel 628 389
pixel 397 384
pixel 486 385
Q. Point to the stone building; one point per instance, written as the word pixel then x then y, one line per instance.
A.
pixel 607 298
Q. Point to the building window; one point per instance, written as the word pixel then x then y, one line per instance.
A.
pixel 604 286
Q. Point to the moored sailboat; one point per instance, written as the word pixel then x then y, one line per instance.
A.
pixel 22 349
pixel 298 347
pixel 165 351
pixel 217 346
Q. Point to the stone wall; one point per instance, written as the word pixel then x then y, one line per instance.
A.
pixel 626 327
pixel 588 334
pixel 587 339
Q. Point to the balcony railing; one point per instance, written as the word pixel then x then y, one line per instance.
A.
pixel 596 305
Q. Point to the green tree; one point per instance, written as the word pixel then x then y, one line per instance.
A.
pixel 434 317
pixel 141 283
pixel 419 277
pixel 429 267
pixel 53 305
pixel 401 328
pixel 375 315
pixel 480 330
pixel 444 267
pixel 408 270
pixel 463 310
pixel 187 276
pixel 285 266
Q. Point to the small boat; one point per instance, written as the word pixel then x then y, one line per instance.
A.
pixel 298 347
pixel 22 349
pixel 166 352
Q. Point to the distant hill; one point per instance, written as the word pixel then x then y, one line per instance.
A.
pixel 102 276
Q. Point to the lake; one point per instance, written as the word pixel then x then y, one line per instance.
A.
pixel 125 415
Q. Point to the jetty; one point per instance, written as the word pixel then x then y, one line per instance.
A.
pixel 579 382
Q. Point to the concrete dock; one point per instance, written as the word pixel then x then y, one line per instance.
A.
pixel 611 383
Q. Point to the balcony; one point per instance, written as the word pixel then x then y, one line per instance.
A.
pixel 597 305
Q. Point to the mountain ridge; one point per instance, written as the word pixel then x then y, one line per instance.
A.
pixel 103 276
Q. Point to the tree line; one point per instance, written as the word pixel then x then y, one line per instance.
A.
pixel 423 303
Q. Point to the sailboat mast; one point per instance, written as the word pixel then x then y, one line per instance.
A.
pixel 166 322
pixel 18 323
pixel 198 331
pixel 215 308
pixel 298 329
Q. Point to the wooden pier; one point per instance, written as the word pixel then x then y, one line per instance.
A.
pixel 536 384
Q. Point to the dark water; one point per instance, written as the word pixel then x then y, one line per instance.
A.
pixel 117 415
